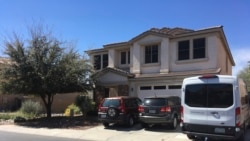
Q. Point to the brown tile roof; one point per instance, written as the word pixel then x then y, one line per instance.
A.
pixel 171 31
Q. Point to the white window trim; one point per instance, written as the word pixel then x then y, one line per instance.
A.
pixel 126 64
pixel 191 49
pixel 159 55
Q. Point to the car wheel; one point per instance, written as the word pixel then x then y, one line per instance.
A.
pixel 112 112
pixel 105 124
pixel 144 125
pixel 174 123
pixel 130 121
pixel 191 137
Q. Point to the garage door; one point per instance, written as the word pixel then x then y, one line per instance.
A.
pixel 159 91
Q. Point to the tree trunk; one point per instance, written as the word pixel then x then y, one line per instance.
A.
pixel 48 109
pixel 48 103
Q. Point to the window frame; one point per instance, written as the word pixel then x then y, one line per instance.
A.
pixel 97 64
pixel 152 54
pixel 191 52
pixel 124 60
pixel 187 50
pixel 101 63
pixel 105 63
pixel 197 48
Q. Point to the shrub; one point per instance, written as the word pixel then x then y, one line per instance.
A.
pixel 7 116
pixel 84 103
pixel 72 107
pixel 30 107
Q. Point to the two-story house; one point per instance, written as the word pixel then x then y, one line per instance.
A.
pixel 155 62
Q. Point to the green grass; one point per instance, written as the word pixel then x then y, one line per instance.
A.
pixel 13 115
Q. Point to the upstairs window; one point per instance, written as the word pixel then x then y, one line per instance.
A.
pixel 97 62
pixel 196 49
pixel 151 54
pixel 183 50
pixel 100 61
pixel 105 60
pixel 125 57
pixel 128 57
pixel 199 48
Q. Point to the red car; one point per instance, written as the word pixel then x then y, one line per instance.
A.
pixel 122 110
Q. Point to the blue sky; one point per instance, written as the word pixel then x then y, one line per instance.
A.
pixel 93 23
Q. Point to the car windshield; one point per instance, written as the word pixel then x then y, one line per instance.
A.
pixel 154 102
pixel 111 102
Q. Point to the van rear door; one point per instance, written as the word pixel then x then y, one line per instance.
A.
pixel 220 102
pixel 195 102
pixel 209 101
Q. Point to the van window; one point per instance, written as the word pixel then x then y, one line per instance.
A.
pixel 209 95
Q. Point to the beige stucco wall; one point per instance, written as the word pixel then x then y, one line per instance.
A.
pixel 210 62
pixel 168 60
pixel 223 59
pixel 61 101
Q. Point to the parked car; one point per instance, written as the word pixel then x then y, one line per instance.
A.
pixel 215 107
pixel 160 110
pixel 122 110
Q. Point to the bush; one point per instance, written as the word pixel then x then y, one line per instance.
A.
pixel 7 116
pixel 30 107
pixel 72 107
pixel 84 103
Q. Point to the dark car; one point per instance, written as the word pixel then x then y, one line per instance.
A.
pixel 122 110
pixel 160 110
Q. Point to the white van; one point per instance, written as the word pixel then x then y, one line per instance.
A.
pixel 214 106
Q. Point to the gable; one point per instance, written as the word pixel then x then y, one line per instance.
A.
pixel 112 78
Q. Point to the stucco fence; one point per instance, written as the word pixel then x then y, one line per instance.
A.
pixel 60 103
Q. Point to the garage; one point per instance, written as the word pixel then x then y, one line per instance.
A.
pixel 158 91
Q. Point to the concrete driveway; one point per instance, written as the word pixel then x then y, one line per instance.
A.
pixel 113 133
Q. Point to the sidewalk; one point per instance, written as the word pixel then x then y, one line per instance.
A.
pixel 98 133
pixel 88 134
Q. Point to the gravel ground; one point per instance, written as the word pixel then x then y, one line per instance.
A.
pixel 76 122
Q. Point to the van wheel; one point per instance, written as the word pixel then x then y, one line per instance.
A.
pixel 130 121
pixel 191 137
pixel 105 124
pixel 174 123
pixel 144 125
pixel 242 137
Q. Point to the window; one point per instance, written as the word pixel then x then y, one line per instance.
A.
pixel 145 88
pixel 183 50
pixel 105 60
pixel 209 95
pixel 159 87
pixel 151 54
pixel 100 61
pixel 174 87
pixel 97 62
pixel 199 48
pixel 128 57
pixel 125 57
pixel 154 101
pixel 111 102
pixel 195 50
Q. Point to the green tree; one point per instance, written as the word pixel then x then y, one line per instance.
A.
pixel 43 66
pixel 245 75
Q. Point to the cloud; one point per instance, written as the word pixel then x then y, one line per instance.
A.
pixel 241 57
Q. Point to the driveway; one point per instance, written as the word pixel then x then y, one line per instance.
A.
pixel 155 133
pixel 113 133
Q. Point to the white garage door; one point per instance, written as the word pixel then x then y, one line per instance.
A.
pixel 159 91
